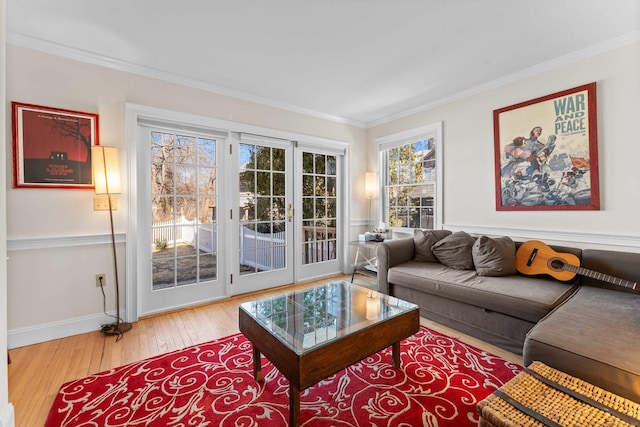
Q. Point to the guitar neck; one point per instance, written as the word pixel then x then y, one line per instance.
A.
pixel 601 276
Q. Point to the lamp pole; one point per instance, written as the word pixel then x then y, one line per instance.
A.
pixel 370 200
pixel 119 327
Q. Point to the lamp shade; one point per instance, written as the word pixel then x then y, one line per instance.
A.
pixel 371 184
pixel 106 169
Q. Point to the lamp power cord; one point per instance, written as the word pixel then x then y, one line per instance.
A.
pixel 109 328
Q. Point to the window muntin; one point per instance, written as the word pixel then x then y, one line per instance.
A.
pixel 262 209
pixel 183 209
pixel 409 165
pixel 319 207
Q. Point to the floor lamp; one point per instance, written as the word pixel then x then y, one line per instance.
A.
pixel 106 179
pixel 370 189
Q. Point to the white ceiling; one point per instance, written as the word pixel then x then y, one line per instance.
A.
pixel 358 61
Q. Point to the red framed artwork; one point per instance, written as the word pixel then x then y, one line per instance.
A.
pixel 52 147
pixel 546 152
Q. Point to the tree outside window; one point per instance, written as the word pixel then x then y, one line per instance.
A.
pixel 410 183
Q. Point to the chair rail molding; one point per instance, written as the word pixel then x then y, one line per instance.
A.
pixel 568 238
pixel 62 242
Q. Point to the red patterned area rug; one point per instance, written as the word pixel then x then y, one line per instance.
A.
pixel 212 384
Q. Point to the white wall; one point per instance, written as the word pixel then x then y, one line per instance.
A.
pixel 56 241
pixel 7 418
pixel 469 198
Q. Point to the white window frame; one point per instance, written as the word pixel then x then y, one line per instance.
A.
pixel 385 143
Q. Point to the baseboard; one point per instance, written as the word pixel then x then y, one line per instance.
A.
pixel 55 330
pixel 7 416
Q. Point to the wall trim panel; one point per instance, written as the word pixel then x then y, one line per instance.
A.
pixel 563 237
pixel 556 236
pixel 62 242
pixel 7 417
pixel 55 330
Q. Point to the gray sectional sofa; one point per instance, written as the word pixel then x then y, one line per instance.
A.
pixel 587 328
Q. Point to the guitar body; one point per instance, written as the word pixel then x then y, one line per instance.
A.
pixel 534 258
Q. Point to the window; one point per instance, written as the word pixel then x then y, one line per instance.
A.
pixel 411 178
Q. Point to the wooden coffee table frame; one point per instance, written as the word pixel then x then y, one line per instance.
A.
pixel 306 369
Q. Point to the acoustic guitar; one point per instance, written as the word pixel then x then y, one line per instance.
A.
pixel 534 257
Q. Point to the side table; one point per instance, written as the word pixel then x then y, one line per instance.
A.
pixel 365 262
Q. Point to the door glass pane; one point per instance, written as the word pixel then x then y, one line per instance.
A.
pixel 183 209
pixel 262 209
pixel 319 210
pixel 307 163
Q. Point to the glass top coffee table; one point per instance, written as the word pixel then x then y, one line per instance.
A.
pixel 312 333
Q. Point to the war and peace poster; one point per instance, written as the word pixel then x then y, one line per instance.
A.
pixel 546 152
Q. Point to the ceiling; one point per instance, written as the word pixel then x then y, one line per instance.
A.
pixel 357 61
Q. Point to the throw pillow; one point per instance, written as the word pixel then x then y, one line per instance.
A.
pixel 454 251
pixel 494 256
pixel 423 240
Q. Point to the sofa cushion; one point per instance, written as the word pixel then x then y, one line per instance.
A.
pixel 494 256
pixel 527 298
pixel 423 240
pixel 594 336
pixel 454 251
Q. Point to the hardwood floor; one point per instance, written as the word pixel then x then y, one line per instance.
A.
pixel 36 372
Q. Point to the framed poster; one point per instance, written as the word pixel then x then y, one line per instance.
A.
pixel 52 147
pixel 546 153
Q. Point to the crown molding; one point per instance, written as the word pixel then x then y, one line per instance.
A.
pixel 597 49
pixel 56 49
pixel 46 46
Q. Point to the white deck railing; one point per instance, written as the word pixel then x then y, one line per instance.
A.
pixel 184 231
pixel 263 251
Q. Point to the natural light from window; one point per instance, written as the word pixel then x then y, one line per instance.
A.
pixel 409 164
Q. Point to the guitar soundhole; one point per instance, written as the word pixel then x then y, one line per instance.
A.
pixel 556 264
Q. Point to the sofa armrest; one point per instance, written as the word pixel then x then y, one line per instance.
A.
pixel 390 253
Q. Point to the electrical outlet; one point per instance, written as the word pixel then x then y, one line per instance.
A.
pixel 101 203
pixel 101 279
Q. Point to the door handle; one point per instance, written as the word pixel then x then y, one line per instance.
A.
pixel 290 214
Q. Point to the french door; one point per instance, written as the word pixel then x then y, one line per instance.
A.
pixel 221 213
pixel 263 222
pixel 318 237
pixel 180 260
